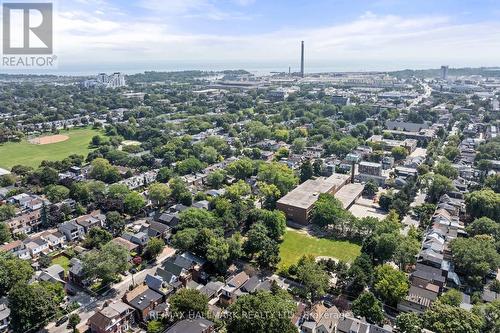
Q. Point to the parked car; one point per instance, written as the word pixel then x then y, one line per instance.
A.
pixel 61 320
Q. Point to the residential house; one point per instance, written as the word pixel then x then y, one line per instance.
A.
pixel 92 220
pixel 55 239
pixel 231 290
pixel 4 314
pixel 115 317
pixel 17 248
pixel 72 230
pixel 131 247
pixel 157 230
pixel 139 238
pixel 321 319
pixel 144 300
pixel 36 246
pixel 54 273
pixel 198 325
pixel 25 223
pixel 76 274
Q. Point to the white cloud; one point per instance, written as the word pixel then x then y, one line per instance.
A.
pixel 370 38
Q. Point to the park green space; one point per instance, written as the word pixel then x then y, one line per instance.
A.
pixel 26 153
pixel 297 244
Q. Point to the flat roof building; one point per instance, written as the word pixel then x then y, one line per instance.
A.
pixel 297 204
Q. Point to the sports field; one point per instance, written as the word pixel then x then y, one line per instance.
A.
pixel 297 244
pixel 32 154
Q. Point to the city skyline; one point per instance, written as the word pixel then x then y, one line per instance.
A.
pixel 256 35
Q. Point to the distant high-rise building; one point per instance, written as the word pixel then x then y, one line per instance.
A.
pixel 115 80
pixel 444 72
pixel 302 59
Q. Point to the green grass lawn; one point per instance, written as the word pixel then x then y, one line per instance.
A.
pixel 297 244
pixel 63 261
pixel 29 154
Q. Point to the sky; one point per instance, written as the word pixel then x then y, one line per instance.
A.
pixel 341 35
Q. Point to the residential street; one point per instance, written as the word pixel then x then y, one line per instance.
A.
pixel 86 311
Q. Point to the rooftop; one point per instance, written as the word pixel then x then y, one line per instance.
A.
pixel 306 194
pixel 349 193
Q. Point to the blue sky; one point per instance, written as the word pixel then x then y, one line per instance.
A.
pixel 339 34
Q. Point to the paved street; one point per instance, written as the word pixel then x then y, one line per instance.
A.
pixel 117 292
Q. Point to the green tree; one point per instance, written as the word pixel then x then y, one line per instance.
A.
pixel 97 237
pixel 7 180
pixel 399 153
pixel 118 191
pixel 452 297
pixel 257 237
pixel 56 193
pixel 445 168
pixel 366 305
pixel 238 190
pixel 216 179
pixel 312 276
pixel 218 253
pixel 474 258
pixel 436 185
pixel 341 147
pixel 483 203
pixel 102 170
pixel 409 323
pixel 318 167
pixel 5 236
pixel 106 263
pixel 451 153
pixel 7 212
pixel 179 189
pixel 278 174
pixel 298 145
pixel 155 326
pixel 484 226
pixel 133 203
pixel 73 321
pixel 275 222
pixel 424 212
pixel 115 223
pixel 159 193
pixel 370 189
pixel 242 169
pixel 390 284
pixel 442 318
pixel 493 182
pixel 187 301
pixel 306 171
pixel 31 307
pixel 12 271
pixel 406 252
pixel 185 239
pixel 490 312
pixel 197 219
pixel 270 194
pixel 189 165
pixel 154 248
pixel 328 210
pixel 244 314
pixel 164 175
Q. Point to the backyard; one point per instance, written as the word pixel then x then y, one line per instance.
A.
pixel 298 243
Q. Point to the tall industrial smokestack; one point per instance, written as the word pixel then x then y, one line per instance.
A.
pixel 302 60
